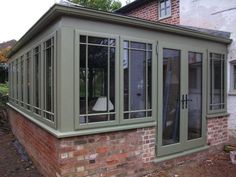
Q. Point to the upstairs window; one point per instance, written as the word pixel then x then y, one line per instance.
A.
pixel 164 8
pixel 217 82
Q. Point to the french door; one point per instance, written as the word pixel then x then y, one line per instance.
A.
pixel 181 102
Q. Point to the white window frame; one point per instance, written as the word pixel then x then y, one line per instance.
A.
pixel 165 8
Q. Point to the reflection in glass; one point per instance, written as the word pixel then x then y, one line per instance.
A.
pixel 37 79
pixel 195 95
pixel 171 96
pixel 97 79
pixel 137 64
pixel 217 66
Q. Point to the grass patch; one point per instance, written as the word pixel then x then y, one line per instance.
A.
pixel 3 94
pixel 4 89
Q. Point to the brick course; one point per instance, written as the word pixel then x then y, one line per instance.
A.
pixel 115 154
pixel 150 11
pixel 217 131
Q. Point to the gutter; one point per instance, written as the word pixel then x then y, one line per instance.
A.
pixel 58 10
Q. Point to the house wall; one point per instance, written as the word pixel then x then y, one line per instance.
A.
pixel 218 15
pixel 150 11
pixel 114 154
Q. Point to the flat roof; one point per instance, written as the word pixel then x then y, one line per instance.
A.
pixel 59 10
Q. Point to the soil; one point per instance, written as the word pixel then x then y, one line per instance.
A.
pixel 14 163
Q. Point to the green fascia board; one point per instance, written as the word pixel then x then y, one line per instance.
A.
pixel 59 10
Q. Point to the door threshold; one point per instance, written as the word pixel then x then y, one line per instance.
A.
pixel 172 156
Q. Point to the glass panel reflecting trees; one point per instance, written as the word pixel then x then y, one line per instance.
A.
pixel 171 96
pixel 137 67
pixel 195 95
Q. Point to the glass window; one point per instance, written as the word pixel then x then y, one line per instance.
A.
pixel 171 95
pixel 234 76
pixel 28 80
pixel 37 79
pixel 97 79
pixel 137 68
pixel 165 8
pixel 17 80
pixel 217 81
pixel 49 79
pixel 22 81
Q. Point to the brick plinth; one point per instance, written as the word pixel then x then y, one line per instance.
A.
pixel 124 153
pixel 150 11
pixel 115 154
pixel 217 131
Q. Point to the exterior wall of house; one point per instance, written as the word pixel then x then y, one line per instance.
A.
pixel 150 11
pixel 218 15
pixel 114 154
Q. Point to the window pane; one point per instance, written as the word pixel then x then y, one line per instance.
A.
pixel 195 95
pixel 82 79
pixel 137 80
pixel 22 80
pixel 168 11
pixel 37 79
pixel 138 45
pixel 163 13
pixel 49 79
pixel 171 96
pixel 217 81
pixel 83 39
pixel 97 80
pixel 168 3
pixel 98 40
pixel 234 76
pixel 28 81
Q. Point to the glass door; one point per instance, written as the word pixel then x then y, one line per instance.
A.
pixel 180 123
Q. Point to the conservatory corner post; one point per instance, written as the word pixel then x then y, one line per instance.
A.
pixel 66 79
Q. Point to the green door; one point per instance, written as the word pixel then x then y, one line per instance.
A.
pixel 181 120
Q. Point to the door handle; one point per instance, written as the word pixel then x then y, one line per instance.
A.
pixel 182 101
pixel 186 101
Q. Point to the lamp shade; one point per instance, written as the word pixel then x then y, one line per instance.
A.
pixel 101 104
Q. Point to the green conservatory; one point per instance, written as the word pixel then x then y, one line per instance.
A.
pixel 80 72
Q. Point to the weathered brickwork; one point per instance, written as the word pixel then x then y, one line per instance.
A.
pixel 115 154
pixel 150 11
pixel 217 130
pixel 124 153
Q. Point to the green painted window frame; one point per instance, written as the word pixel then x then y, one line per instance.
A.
pixel 224 94
pixel 119 120
pixel 78 125
pixel 232 70
pixel 15 97
pixel 165 9
pixel 154 81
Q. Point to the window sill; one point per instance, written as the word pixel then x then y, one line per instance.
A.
pixel 232 93
pixel 59 134
pixel 165 17
pixel 224 114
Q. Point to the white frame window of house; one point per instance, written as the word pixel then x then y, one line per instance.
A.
pixel 164 9
pixel 33 87
pixel 217 76
pixel 233 77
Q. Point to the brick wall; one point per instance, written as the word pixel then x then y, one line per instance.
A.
pixel 150 11
pixel 115 154
pixel 217 130
pixel 124 153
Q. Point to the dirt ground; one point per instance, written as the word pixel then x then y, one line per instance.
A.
pixel 13 165
pixel 11 161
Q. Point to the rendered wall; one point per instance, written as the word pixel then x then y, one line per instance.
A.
pixel 218 15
